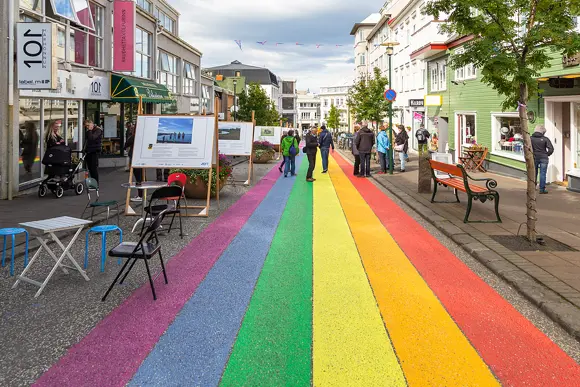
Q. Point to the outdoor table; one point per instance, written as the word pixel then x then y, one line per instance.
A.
pixel 39 229
pixel 473 159
pixel 146 185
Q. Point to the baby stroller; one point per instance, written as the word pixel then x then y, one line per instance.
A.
pixel 61 171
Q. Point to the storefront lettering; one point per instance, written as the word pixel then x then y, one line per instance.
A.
pixel 416 102
pixel 95 87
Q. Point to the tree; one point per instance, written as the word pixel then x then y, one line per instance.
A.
pixel 366 98
pixel 255 99
pixel 333 117
pixel 512 42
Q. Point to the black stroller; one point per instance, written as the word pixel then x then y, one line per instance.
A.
pixel 61 171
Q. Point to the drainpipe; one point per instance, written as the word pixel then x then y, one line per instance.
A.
pixel 10 117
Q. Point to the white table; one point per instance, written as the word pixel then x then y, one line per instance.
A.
pixel 49 227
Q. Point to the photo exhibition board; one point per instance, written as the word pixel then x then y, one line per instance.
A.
pixel 268 133
pixel 235 138
pixel 174 142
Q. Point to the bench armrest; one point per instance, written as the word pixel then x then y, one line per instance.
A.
pixel 490 184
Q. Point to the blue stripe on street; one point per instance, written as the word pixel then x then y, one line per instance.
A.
pixel 196 347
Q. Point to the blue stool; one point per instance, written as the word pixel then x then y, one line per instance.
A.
pixel 12 232
pixel 103 230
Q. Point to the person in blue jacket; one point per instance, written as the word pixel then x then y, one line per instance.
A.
pixel 383 148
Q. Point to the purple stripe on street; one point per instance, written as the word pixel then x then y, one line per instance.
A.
pixel 113 351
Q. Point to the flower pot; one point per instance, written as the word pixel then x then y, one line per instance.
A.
pixel 263 158
pixel 198 190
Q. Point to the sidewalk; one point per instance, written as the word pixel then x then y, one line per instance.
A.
pixel 550 279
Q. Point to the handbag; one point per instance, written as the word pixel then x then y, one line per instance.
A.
pixel 399 147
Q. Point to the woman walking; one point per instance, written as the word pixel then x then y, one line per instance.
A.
pixel 93 147
pixel 311 148
pixel 289 150
pixel 383 146
pixel 402 145
pixel 52 136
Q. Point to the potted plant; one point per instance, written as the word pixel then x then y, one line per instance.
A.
pixel 196 187
pixel 263 152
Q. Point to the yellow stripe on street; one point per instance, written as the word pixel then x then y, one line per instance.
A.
pixel 350 344
pixel 431 348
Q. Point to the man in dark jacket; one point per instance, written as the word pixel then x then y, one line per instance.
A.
pixel 364 143
pixel 543 149
pixel 94 143
pixel 311 148
pixel 325 143
pixel 355 153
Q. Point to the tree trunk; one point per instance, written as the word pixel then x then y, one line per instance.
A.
pixel 530 166
pixel 424 176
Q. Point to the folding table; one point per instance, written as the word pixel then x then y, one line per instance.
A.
pixel 40 229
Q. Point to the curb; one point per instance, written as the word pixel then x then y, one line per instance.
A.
pixel 551 303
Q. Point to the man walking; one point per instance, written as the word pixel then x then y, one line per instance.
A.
pixel 311 148
pixel 364 144
pixel 284 134
pixel 355 152
pixel 94 141
pixel 325 143
pixel 543 149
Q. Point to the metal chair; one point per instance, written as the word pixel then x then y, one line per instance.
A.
pixel 147 247
pixel 4 232
pixel 165 194
pixel 93 186
pixel 179 179
pixel 103 230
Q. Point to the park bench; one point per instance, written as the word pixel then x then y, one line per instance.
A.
pixel 455 176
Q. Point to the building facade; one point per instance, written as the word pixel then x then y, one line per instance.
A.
pixel 308 110
pixel 337 96
pixel 360 31
pixel 166 78
pixel 289 102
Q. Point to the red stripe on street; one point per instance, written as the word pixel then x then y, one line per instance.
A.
pixel 517 352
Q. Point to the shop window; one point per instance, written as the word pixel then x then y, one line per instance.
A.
pixel 189 79
pixel 466 126
pixel 507 135
pixel 168 71
pixel 72 124
pixel 30 136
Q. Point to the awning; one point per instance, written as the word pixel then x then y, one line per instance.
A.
pixel 128 89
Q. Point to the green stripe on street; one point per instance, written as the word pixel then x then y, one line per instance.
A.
pixel 274 344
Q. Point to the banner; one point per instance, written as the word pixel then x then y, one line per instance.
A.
pixel 35 59
pixel 124 36
pixel 235 138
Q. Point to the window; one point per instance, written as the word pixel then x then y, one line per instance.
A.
pixel 83 15
pixel 465 72
pixel 408 28
pixel 143 53
pixel 145 5
pixel 305 115
pixel 168 71
pixel 422 80
pixel 86 46
pixel 33 5
pixel 360 36
pixel 205 98
pixel 507 135
pixel 466 126
pixel 288 103
pixel 189 79
pixel 325 102
pixel 434 77
pixel 362 59
pixel 438 73
pixel 165 21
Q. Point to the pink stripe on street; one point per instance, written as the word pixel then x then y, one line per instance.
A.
pixel 113 351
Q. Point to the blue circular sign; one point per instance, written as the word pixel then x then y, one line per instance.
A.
pixel 390 95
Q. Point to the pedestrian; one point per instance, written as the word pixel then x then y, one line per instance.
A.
pixel 383 149
pixel 310 148
pixel 422 135
pixel 29 145
pixel 543 149
pixel 52 136
pixel 284 134
pixel 364 144
pixel 289 149
pixel 402 145
pixel 325 143
pixel 137 172
pixel 355 152
pixel 93 146
pixel 297 137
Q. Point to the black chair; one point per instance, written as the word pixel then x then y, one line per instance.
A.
pixel 171 195
pixel 147 247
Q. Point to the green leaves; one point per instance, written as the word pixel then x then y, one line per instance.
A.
pixel 333 120
pixel 255 99
pixel 366 98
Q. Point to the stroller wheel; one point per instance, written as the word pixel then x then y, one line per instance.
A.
pixel 42 189
pixel 58 192
pixel 79 188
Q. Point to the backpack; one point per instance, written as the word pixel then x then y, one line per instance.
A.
pixel 292 150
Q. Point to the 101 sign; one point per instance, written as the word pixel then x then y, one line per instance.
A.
pixel 34 56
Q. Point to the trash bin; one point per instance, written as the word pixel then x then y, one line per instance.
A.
pixel 574 180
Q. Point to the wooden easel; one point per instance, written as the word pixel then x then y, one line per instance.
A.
pixel 215 156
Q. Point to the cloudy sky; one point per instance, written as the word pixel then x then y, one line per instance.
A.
pixel 212 27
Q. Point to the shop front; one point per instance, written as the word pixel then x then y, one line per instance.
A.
pixel 76 94
pixel 562 123
pixel 417 107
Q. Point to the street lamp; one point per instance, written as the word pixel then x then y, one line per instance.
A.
pixel 390 49
pixel 235 107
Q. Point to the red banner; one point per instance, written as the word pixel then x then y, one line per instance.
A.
pixel 124 36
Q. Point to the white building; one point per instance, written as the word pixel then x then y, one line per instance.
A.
pixel 308 109
pixel 337 96
pixel 361 51
pixel 288 101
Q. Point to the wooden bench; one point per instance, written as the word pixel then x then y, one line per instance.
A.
pixel 454 176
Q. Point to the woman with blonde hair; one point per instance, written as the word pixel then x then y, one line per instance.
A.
pixel 52 136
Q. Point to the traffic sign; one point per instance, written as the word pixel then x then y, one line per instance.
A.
pixel 390 95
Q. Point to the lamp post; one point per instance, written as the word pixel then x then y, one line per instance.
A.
pixel 390 49
pixel 235 107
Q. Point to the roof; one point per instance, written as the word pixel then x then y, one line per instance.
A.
pixel 370 21
pixel 378 26
pixel 260 75
pixel 235 65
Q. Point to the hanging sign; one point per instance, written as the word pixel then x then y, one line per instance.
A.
pixel 124 36
pixel 36 63
pixel 390 95
pixel 433 100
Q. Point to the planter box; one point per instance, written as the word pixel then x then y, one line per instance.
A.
pixel 198 190
pixel 263 159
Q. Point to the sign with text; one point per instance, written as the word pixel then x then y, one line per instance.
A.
pixel 124 36
pixel 268 133
pixel 174 142
pixel 235 138
pixel 73 85
pixel 36 64
pixel 416 102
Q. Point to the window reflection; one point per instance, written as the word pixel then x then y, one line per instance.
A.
pixel 29 139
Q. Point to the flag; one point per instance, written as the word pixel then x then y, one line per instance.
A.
pixel 239 43
pixel 299 44
pixel 279 43
pixel 262 43
pixel 339 45
pixel 318 45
